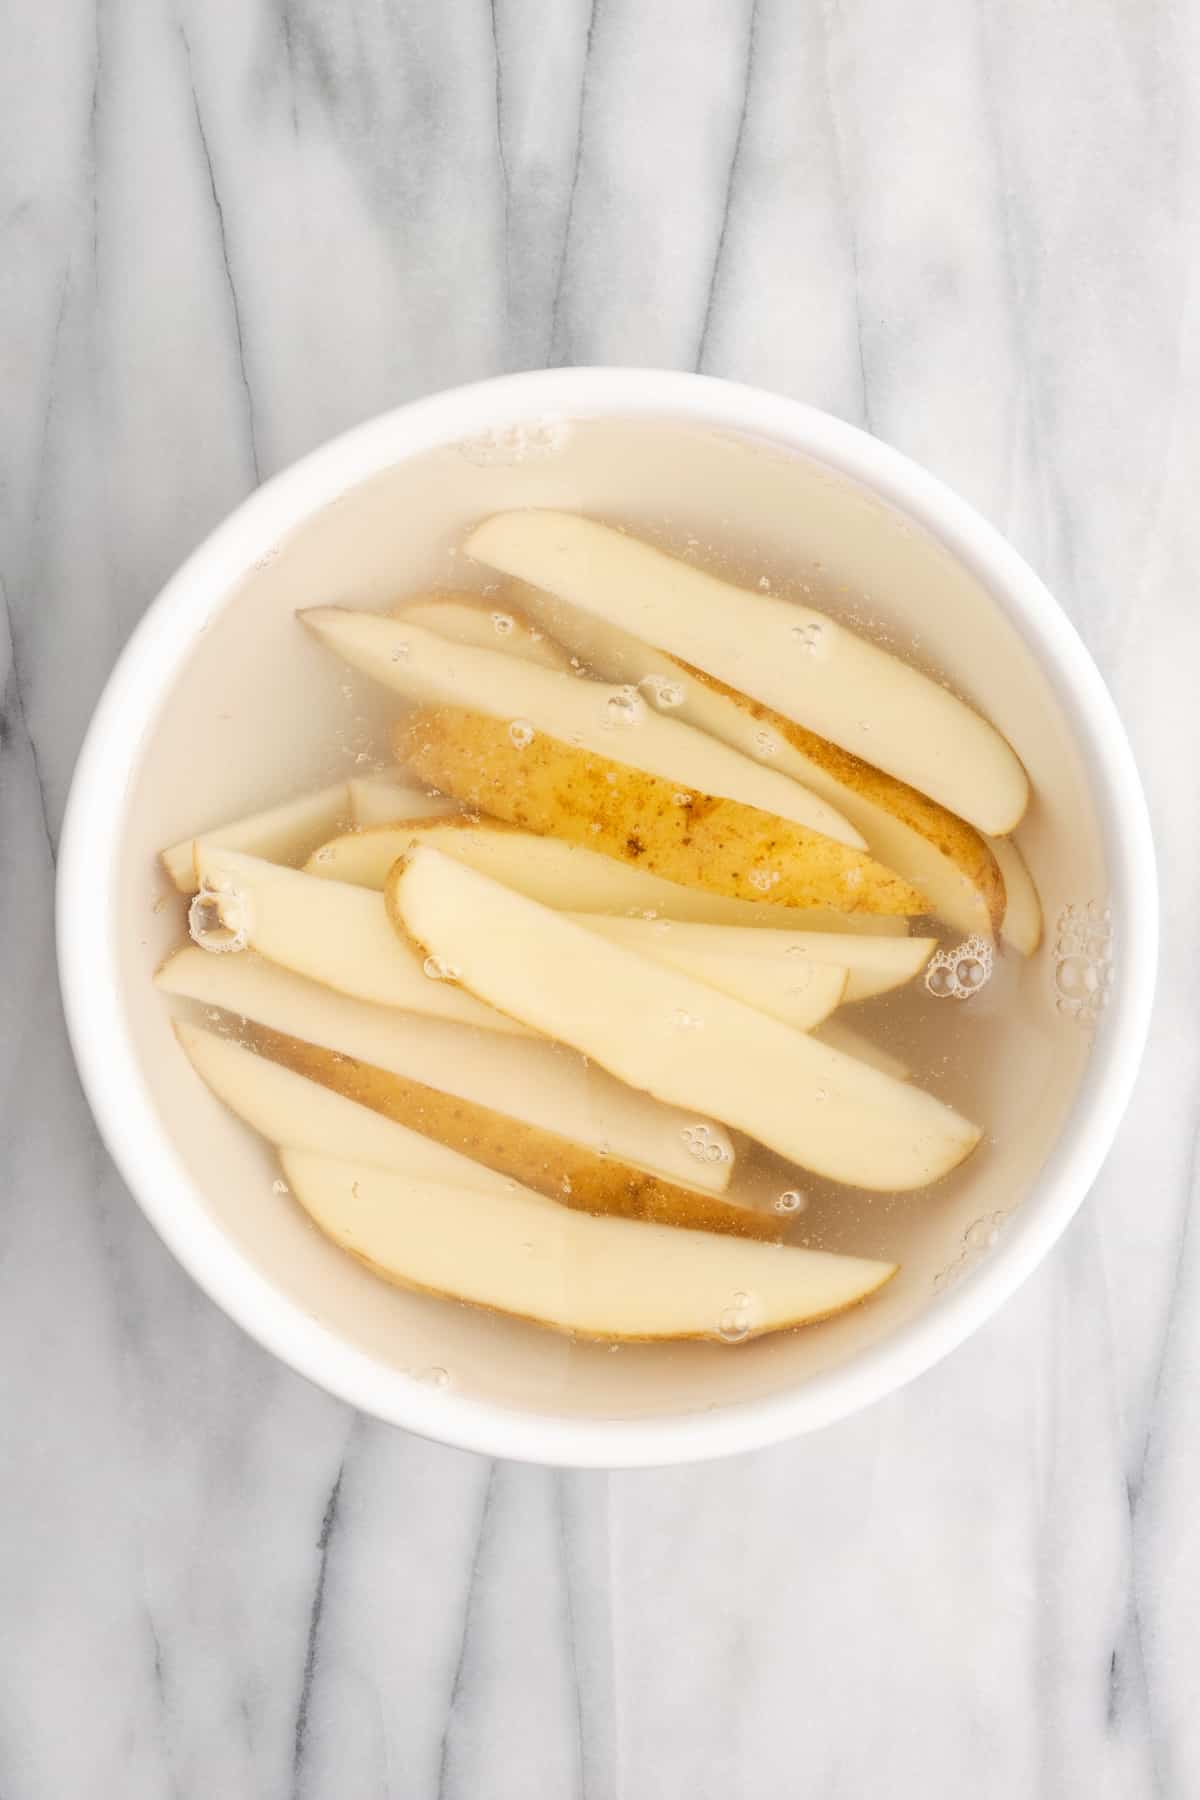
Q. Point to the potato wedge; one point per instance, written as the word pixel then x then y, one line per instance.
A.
pixel 1022 923
pixel 284 834
pixel 471 618
pixel 333 933
pixel 840 1036
pixel 287 1108
pixel 385 799
pixel 799 662
pixel 431 671
pixel 949 861
pixel 686 836
pixel 572 878
pixel 790 968
pixel 662 1031
pixel 533 1111
pixel 801 994
pixel 520 1254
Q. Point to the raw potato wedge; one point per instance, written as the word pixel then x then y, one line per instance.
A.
pixel 801 663
pixel 840 1036
pixel 940 854
pixel 283 834
pixel 519 1253
pixel 470 618
pixel 431 671
pixel 384 799
pixel 786 959
pixel 802 994
pixel 686 836
pixel 534 1111
pixel 286 1108
pixel 662 1031
pixel 332 933
pixel 1022 925
pixel 572 878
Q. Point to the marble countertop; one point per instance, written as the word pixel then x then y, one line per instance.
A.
pixel 228 229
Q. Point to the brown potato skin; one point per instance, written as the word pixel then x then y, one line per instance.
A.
pixel 553 788
pixel 542 1160
pixel 965 847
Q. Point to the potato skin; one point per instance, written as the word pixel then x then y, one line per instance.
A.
pixel 696 839
pixel 849 778
pixel 542 1160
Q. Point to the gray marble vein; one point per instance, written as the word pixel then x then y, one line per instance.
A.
pixel 228 230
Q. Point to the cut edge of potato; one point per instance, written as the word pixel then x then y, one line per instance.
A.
pixel 588 1276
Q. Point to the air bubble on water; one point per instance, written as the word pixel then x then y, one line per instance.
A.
pixel 502 623
pixel 399 652
pixel 280 1187
pixel 958 973
pixel 714 1153
pixel 623 707
pixel 664 692
pixel 733 1326
pixel 324 854
pixel 790 1201
pixel 567 1185
pixel 764 583
pixel 438 969
pixel 682 799
pixel 575 739
pixel 766 743
pixel 687 1021
pixel 764 879
pixel 502 445
pixel 521 732
pixel 808 636
pixel 594 826
pixel 434 1377
pixel 218 920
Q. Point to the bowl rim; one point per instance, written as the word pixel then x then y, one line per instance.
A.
pixel 93 830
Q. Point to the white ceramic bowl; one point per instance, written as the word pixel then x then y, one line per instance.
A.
pixel 196 724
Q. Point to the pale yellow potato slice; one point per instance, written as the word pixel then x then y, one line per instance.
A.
pixel 432 671
pixel 680 1040
pixel 285 834
pixel 840 1036
pixel 384 799
pixel 332 933
pixel 519 1253
pixel 802 994
pixel 1022 925
pixel 534 1110
pixel 690 837
pixel 469 618
pixel 941 855
pixel 572 878
pixel 799 662
pixel 287 1108
pixel 795 963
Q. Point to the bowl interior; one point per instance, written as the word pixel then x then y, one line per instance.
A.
pixel 257 711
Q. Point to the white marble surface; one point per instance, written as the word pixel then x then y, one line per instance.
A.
pixel 229 228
